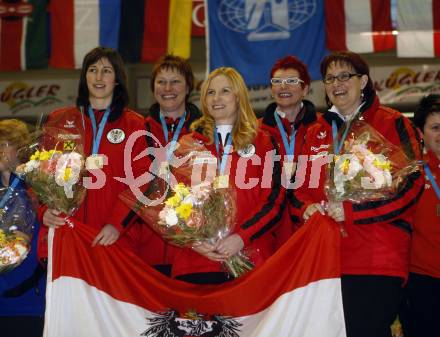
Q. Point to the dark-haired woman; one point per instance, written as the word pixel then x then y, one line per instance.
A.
pixel 287 120
pixel 169 118
pixel 102 120
pixel 376 241
pixel 423 287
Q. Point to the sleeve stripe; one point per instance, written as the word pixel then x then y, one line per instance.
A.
pixel 390 215
pixel 271 223
pixel 274 195
pixel 404 138
pixel 405 225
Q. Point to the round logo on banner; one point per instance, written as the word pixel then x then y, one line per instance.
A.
pixel 116 136
pixel 247 152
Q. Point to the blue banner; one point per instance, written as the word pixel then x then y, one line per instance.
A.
pixel 250 35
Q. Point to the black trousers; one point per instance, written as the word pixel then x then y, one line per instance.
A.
pixel 371 304
pixel 420 314
pixel 21 326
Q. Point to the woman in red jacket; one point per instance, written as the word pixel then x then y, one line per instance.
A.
pixel 375 244
pixel 170 118
pixel 228 128
pixel 287 120
pixel 102 121
pixel 423 288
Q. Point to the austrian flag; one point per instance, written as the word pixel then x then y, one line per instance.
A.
pixel 361 26
pixel 109 292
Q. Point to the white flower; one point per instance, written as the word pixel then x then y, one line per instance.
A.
pixel 31 165
pixel 68 170
pixel 171 218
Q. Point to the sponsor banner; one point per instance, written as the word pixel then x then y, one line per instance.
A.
pixel 30 98
pixel 406 85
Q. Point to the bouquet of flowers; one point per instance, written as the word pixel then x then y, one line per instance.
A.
pixel 55 171
pixel 17 218
pixel 368 168
pixel 187 209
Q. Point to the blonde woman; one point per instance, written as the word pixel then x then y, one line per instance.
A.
pixel 228 128
pixel 22 290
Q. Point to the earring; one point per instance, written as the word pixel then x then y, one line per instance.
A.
pixel 362 94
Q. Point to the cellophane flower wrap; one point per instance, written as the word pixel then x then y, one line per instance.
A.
pixel 55 170
pixel 368 168
pixel 17 217
pixel 185 208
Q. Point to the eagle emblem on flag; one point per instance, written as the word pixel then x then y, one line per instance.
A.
pixel 171 324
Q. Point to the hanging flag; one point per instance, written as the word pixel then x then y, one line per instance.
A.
pixel 78 26
pixel 164 27
pixel 361 26
pixel 23 35
pixel 419 28
pixel 109 292
pixel 250 35
pixel 198 18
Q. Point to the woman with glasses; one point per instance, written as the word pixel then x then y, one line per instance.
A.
pixel 376 234
pixel 287 120
pixel 423 287
pixel 229 130
pixel 170 118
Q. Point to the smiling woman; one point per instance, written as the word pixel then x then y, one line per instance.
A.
pixel 103 122
pixel 228 129
pixel 376 234
pixel 169 119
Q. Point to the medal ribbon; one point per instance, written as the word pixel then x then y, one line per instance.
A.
pixel 7 195
pixel 226 150
pixel 432 180
pixel 288 146
pixel 175 135
pixel 98 135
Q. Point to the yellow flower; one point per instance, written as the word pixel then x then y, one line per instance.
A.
pixel 184 210
pixel 181 189
pixel 345 166
pixel 36 155
pixel 2 236
pixel 67 174
pixel 384 165
pixel 173 201
pixel 45 155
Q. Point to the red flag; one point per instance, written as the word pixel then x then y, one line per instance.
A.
pixel 198 18
pixel 113 293
pixel 361 26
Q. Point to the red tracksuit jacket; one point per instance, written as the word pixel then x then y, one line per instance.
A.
pixel 258 209
pixel 425 245
pixel 378 232
pixel 96 210
pixel 147 244
pixel 305 119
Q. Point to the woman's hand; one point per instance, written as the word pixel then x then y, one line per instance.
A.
pixel 312 208
pixel 52 219
pixel 107 236
pixel 335 210
pixel 208 251
pixel 229 246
